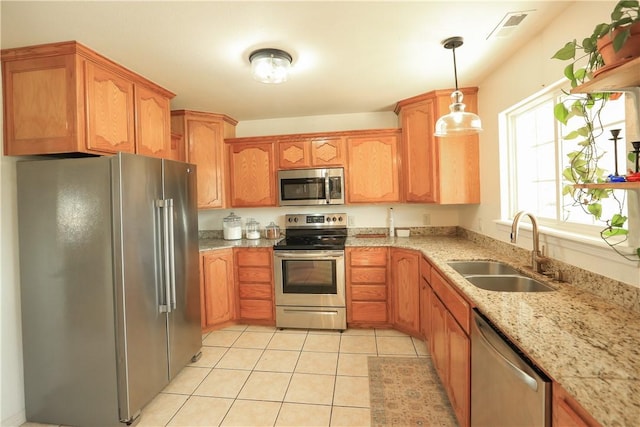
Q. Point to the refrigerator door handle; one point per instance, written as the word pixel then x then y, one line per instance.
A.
pixel 166 262
pixel 172 255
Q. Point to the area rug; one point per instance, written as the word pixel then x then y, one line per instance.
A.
pixel 407 392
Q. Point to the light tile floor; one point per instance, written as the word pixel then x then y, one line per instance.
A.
pixel 263 376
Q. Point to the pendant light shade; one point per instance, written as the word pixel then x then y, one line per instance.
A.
pixel 270 65
pixel 458 122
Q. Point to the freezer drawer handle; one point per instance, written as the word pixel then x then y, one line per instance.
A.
pixel 526 378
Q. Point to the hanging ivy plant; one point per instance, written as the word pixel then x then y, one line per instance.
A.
pixel 583 165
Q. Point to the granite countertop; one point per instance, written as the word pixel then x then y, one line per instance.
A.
pixel 588 345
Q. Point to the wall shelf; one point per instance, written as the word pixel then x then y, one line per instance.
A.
pixel 616 79
pixel 611 186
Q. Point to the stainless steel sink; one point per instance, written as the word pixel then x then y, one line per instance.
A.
pixel 479 267
pixel 508 283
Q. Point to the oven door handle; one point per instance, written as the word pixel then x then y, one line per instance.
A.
pixel 308 255
pixel 327 187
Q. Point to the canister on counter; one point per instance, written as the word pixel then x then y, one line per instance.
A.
pixel 252 229
pixel 232 227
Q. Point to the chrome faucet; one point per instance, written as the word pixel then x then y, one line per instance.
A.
pixel 538 259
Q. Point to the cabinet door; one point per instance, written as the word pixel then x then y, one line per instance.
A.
pixel 405 275
pixel 425 298
pixel 459 370
pixel 294 154
pixel 153 122
pixel 205 149
pixel 566 412
pixel 252 174
pixel 40 114
pixel 373 173
pixel 218 287
pixel 419 155
pixel 439 342
pixel 110 111
pixel 327 152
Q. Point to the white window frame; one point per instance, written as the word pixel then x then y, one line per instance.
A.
pixel 509 197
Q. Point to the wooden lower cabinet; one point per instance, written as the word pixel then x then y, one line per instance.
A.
pixel 217 298
pixel 405 273
pixel 367 289
pixel 425 299
pixel 566 412
pixel 450 349
pixel 254 282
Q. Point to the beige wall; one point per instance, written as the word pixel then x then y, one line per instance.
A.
pixel 527 72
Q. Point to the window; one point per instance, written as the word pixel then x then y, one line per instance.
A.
pixel 537 155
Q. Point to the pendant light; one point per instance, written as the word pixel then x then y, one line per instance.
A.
pixel 458 122
pixel 270 65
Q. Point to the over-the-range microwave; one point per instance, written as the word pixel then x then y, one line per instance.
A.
pixel 303 187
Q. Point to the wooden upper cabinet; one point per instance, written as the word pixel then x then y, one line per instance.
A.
pixel 311 152
pixel 438 170
pixel 252 175
pixel 203 134
pixel 420 174
pixel 153 125
pixel 372 165
pixel 110 108
pixel 66 98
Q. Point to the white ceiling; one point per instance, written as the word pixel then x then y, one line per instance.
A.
pixel 348 56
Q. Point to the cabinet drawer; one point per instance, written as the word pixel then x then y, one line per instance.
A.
pixel 369 293
pixel 425 269
pixel 255 291
pixel 368 311
pixel 253 257
pixel 256 309
pixel 254 274
pixel 457 305
pixel 368 256
pixel 369 275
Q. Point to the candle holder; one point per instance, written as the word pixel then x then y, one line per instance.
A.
pixel 636 151
pixel 615 137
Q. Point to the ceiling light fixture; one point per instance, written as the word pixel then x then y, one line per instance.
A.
pixel 458 122
pixel 270 65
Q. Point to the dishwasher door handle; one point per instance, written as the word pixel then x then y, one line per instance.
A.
pixel 526 378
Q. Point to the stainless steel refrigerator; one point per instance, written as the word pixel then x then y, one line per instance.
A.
pixel 109 284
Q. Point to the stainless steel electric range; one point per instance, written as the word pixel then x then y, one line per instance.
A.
pixel 310 273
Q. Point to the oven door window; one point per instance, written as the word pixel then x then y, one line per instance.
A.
pixel 302 189
pixel 309 277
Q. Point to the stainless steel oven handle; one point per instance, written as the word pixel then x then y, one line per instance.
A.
pixel 308 255
pixel 327 187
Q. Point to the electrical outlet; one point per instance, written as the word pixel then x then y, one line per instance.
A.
pixel 479 224
pixel 351 221
pixel 426 219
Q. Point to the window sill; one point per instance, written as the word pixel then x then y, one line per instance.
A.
pixel 555 238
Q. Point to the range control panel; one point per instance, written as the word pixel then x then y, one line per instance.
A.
pixel 329 220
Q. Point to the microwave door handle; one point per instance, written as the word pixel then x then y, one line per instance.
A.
pixel 327 187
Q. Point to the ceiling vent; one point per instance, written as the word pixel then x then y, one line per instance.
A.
pixel 508 25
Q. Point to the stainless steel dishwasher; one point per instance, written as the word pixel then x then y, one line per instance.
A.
pixel 506 388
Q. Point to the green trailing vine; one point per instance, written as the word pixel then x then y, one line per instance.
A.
pixel 583 165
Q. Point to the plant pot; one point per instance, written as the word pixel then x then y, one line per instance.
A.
pixel 629 51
